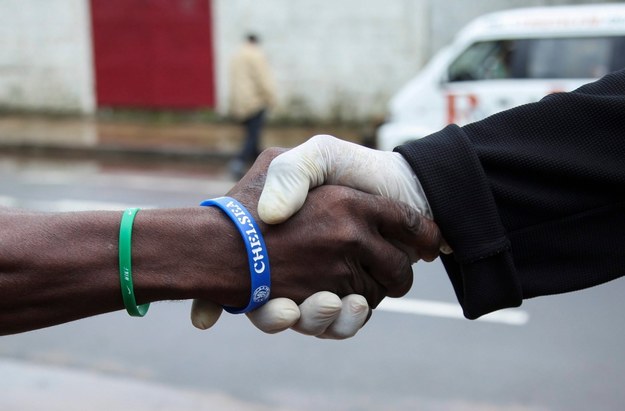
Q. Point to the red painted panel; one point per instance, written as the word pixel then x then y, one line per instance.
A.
pixel 153 53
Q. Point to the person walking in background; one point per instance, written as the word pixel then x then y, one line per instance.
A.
pixel 252 94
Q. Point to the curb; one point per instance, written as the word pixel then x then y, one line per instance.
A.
pixel 191 142
pixel 117 152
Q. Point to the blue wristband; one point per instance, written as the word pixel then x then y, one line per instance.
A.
pixel 260 273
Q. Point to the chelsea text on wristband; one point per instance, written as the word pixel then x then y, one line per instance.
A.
pixel 260 273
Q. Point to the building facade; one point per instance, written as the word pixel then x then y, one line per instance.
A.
pixel 331 60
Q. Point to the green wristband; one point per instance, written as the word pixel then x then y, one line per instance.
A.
pixel 125 265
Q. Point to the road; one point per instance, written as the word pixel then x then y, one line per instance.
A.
pixel 553 353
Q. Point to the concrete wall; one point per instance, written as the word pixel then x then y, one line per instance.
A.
pixel 335 60
pixel 45 55
pixel 331 60
pixel 344 59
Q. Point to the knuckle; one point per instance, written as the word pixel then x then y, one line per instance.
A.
pixel 351 205
pixel 271 153
pixel 362 283
pixel 400 279
pixel 356 305
pixel 377 295
pixel 322 139
pixel 347 228
pixel 412 217
pixel 433 240
pixel 352 243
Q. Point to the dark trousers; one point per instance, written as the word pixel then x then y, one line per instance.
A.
pixel 253 128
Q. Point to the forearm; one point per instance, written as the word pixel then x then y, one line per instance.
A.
pixel 513 193
pixel 342 240
pixel 58 267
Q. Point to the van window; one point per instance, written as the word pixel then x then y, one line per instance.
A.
pixel 544 58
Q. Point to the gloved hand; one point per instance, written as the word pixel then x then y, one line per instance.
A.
pixel 323 315
pixel 327 160
pixel 323 159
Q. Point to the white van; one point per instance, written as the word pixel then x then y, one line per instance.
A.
pixel 505 59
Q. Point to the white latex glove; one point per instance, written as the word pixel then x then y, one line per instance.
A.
pixel 337 321
pixel 327 160
pixel 277 315
pixel 323 315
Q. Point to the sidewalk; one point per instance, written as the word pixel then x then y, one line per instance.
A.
pixel 31 387
pixel 88 136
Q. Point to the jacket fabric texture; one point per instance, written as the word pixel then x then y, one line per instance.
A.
pixel 532 200
pixel 251 84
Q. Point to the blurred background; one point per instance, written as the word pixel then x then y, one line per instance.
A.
pixel 107 104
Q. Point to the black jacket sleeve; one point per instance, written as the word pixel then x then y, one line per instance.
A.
pixel 532 200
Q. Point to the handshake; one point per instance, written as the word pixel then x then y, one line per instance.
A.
pixel 343 224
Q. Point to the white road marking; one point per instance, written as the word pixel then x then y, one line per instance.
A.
pixel 449 310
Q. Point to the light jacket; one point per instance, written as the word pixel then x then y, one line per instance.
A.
pixel 251 84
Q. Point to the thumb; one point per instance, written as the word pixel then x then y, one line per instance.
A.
pixel 204 314
pixel 289 177
pixel 276 315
